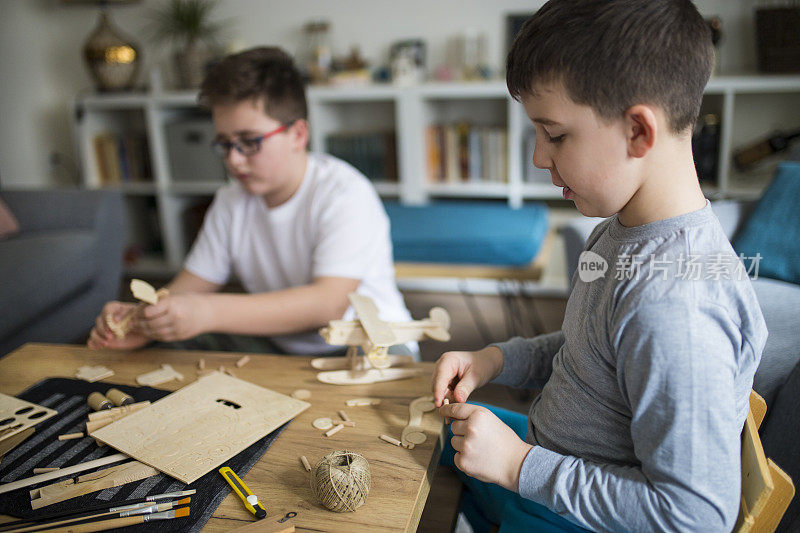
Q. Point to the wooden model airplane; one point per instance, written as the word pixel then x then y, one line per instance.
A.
pixel 374 337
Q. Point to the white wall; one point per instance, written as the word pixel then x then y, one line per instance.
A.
pixel 41 70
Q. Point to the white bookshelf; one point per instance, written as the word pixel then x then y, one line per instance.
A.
pixel 749 106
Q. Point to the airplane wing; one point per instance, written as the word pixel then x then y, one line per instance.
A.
pixel 379 332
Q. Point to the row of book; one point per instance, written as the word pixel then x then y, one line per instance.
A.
pixel 464 152
pixel 373 153
pixel 122 158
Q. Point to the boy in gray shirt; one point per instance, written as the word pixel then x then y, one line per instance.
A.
pixel 645 389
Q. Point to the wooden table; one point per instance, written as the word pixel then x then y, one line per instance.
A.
pixel 400 478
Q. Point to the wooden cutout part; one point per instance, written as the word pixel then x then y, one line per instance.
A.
pixel 201 364
pixel 322 423
pixel 144 292
pixel 93 373
pixel 344 416
pixel 157 377
pixel 70 436
pixel 378 331
pixel 18 415
pixel 343 363
pixel 88 465
pixel 373 375
pixel 305 462
pixel 346 423
pixel 10 443
pixel 102 479
pixel 243 361
pixel 360 402
pixel 413 433
pixel 301 394
pixel 200 426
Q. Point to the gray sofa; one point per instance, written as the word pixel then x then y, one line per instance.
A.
pixel 778 375
pixel 65 262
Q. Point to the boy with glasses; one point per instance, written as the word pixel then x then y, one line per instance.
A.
pixel 299 230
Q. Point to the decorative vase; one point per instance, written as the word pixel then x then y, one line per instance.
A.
pixel 190 63
pixel 113 60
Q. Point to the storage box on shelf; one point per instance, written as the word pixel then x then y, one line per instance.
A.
pixel 390 132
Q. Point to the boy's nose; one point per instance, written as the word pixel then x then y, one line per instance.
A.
pixel 540 157
pixel 234 158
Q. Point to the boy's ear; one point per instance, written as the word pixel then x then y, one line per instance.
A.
pixel 641 128
pixel 300 134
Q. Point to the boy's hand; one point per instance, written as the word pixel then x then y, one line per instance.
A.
pixel 457 374
pixel 175 318
pixel 102 337
pixel 486 448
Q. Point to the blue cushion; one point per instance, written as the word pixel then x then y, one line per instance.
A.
pixel 467 232
pixel 773 229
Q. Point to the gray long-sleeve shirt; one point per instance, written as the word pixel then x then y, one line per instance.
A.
pixel 645 392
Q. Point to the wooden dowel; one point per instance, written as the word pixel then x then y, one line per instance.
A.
pixel 243 361
pixel 70 436
pixel 390 440
pixel 347 423
pixel 344 416
pixel 334 430
pixel 305 462
pixel 43 471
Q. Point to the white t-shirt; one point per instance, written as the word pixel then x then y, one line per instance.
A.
pixel 334 225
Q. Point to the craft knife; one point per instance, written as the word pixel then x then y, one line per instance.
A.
pixel 249 499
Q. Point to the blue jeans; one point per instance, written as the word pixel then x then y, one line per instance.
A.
pixel 486 504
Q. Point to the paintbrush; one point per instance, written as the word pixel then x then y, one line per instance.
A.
pixel 147 508
pixel 122 505
pixel 103 525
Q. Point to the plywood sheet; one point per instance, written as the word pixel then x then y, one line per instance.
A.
pixel 18 415
pixel 200 426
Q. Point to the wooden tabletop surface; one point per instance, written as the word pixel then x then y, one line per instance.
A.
pixel 400 478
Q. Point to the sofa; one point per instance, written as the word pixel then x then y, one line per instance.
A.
pixel 61 267
pixel 778 375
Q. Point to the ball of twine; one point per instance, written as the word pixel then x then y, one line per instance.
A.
pixel 340 481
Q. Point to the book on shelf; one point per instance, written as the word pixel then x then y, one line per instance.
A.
pixel 466 153
pixel 373 153
pixel 121 158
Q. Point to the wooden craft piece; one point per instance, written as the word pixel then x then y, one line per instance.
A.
pixel 199 427
pixel 147 295
pixel 157 377
pixel 361 377
pixel 413 433
pixel 378 331
pixel 334 430
pixel 360 402
pixel 100 480
pixel 18 415
pixel 88 465
pixel 305 462
pixel 93 373
pixel 347 423
pixel 343 415
pixel 390 440
pixel 374 337
pixel 322 423
pixel 343 363
pixel 301 394
pixel 70 436
pixel 201 364
pixel 116 413
pixel 44 470
pixel 243 361
pixel 10 443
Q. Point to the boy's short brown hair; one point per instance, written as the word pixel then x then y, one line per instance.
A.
pixel 265 74
pixel 612 54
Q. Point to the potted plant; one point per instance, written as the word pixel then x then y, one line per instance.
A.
pixel 189 25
